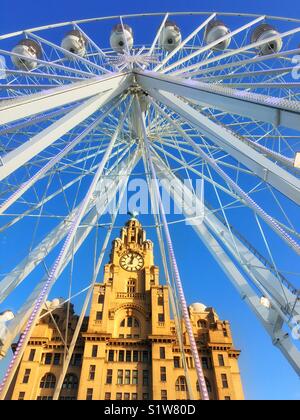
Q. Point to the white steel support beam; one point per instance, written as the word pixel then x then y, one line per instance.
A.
pixel 57 265
pixel 15 109
pixel 40 252
pixel 271 318
pixel 261 166
pixel 107 188
pixel 24 153
pixel 52 162
pixel 276 111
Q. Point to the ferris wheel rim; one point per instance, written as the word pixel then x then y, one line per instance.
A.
pixel 155 151
pixel 138 15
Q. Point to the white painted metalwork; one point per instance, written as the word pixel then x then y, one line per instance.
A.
pixel 69 132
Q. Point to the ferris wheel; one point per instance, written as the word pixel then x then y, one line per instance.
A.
pixel 86 104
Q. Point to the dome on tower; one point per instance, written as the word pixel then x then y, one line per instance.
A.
pixel 198 307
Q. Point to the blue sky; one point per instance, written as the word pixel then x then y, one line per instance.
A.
pixel 265 373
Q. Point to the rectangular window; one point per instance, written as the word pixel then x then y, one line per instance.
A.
pixel 135 356
pixel 48 358
pixel 111 355
pixel 163 395
pixel 128 356
pixel 205 363
pixel 92 372
pixel 89 394
pixel 100 298
pixel 160 301
pixel 118 395
pixel 161 318
pixel 56 359
pixel 31 355
pixel 145 377
pixel 21 396
pixel 163 374
pixel 134 396
pixel 126 396
pixel 109 373
pixel 227 398
pixel 134 377
pixel 145 396
pixel 224 380
pixel 77 359
pixel 127 377
pixel 121 356
pixel 225 333
pixel 162 353
pixel 98 316
pixel 145 356
pixel 107 396
pixel 176 362
pixel 221 360
pixel 26 376
pixel 129 322
pixel 120 377
pixel 94 351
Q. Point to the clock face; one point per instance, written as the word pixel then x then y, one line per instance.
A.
pixel 132 261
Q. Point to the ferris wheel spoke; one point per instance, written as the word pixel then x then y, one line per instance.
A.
pixel 238 190
pixel 50 65
pixel 259 107
pixel 13 110
pixel 254 73
pixel 158 34
pixel 14 159
pixel 69 54
pixel 27 213
pixel 279 178
pixel 209 47
pixel 235 52
pixel 109 190
pixel 269 285
pixel 39 75
pixel 184 42
pixel 243 63
pixel 37 255
pixel 25 186
pixel 197 172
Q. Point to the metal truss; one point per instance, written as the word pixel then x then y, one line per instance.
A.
pixel 284 304
pixel 74 128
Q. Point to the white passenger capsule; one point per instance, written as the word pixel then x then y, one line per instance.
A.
pixel 29 50
pixel 265 31
pixel 170 36
pixel 215 30
pixel 121 38
pixel 74 42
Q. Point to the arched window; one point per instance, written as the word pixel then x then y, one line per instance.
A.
pixel 180 384
pixel 130 322
pixel 48 381
pixel 202 324
pixel 70 382
pixel 208 385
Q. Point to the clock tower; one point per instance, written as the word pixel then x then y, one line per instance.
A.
pixel 128 348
